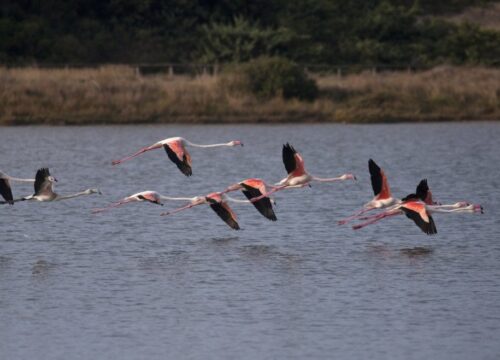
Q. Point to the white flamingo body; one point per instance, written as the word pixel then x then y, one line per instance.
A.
pixel 44 189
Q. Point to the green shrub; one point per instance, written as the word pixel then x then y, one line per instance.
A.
pixel 268 77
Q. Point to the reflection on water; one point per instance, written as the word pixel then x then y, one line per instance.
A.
pixel 417 251
pixel 130 284
pixel 41 268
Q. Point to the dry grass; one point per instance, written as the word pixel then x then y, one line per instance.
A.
pixel 115 94
pixel 443 93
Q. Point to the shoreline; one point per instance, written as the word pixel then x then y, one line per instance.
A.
pixel 116 95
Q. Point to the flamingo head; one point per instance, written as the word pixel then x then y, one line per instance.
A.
pixel 235 143
pixel 348 177
pixel 93 191
pixel 52 179
pixel 199 200
pixel 478 208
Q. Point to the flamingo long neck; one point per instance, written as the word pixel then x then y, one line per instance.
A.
pixel 20 180
pixel 340 178
pixel 446 209
pixel 207 145
pixel 71 196
pixel 232 199
pixel 163 197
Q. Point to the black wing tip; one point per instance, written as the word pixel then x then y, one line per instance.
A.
pixel 44 170
pixel 373 167
pixel 235 226
pixel 431 229
pixel 289 147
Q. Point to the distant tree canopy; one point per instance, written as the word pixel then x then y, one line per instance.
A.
pixel 307 31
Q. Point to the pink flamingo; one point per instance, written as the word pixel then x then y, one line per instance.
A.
pixel 297 175
pixel 148 196
pixel 420 213
pixel 383 196
pixel 253 188
pixel 175 148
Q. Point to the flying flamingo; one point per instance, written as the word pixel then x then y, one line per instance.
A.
pixel 175 148
pixel 44 189
pixel 5 188
pixel 420 213
pixel 148 196
pixel 218 202
pixel 253 188
pixel 297 174
pixel 383 196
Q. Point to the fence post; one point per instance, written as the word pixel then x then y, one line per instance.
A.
pixel 339 72
pixel 170 70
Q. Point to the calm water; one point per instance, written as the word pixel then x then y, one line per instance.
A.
pixel 132 285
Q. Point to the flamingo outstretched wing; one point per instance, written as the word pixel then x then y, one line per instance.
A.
pixel 223 210
pixel 6 191
pixel 179 156
pixel 380 185
pixel 42 183
pixel 422 193
pixel 292 160
pixel 263 205
pixel 417 212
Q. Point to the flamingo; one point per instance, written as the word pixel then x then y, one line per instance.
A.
pixel 175 148
pixel 383 196
pixel 148 196
pixel 297 175
pixel 253 188
pixel 5 188
pixel 218 202
pixel 420 213
pixel 44 189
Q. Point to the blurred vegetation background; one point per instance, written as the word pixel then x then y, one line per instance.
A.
pixel 382 32
pixel 205 61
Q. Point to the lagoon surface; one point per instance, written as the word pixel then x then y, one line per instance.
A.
pixel 130 284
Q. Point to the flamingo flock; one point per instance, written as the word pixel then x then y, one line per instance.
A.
pixel 418 206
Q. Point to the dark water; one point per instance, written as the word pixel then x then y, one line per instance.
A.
pixel 132 285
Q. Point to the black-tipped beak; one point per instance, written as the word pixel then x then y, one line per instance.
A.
pixel 355 178
pixel 242 144
pixel 55 180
